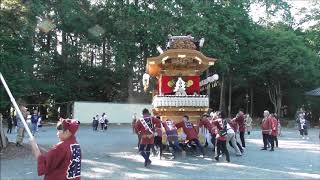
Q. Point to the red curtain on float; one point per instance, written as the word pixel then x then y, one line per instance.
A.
pixel 167 84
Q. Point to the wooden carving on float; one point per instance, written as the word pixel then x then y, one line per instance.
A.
pixel 183 44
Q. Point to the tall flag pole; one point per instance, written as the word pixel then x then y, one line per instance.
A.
pixel 13 101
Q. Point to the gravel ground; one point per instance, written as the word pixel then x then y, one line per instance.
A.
pixel 113 155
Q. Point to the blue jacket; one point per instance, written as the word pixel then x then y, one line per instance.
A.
pixel 34 119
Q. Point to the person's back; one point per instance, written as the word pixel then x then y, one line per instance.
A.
pixel 188 129
pixel 10 122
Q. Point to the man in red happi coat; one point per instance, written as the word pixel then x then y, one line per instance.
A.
pixel 145 126
pixel 242 127
pixel 190 131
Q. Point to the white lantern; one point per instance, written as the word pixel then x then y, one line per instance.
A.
pixel 205 82
pixel 215 77
pixel 145 79
pixel 159 49
pixel 201 42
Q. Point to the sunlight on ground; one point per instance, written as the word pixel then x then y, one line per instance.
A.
pixel 298 144
pixel 145 176
pixel 91 162
pixel 99 169
pixel 302 175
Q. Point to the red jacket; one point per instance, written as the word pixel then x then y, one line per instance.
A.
pixel 241 123
pixel 266 125
pixel 218 124
pixel 234 125
pixel 207 124
pixel 147 134
pixel 62 161
pixel 274 126
pixel 188 129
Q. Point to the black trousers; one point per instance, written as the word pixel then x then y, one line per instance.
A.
pixel 9 129
pixel 102 126
pixel 265 138
pixel 271 140
pixel 242 139
pixel 144 150
pixel 158 143
pixel 197 142
pixel 276 140
pixel 213 141
pixel 303 132
pixel 222 147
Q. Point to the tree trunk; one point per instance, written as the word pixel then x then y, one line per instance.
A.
pixel 279 98
pixel 130 90
pixel 208 86
pixel 251 101
pixel 104 53
pixel 222 106
pixel 3 138
pixel 63 47
pixel 48 43
pixel 108 55
pixel 92 57
pixel 230 94
pixel 275 95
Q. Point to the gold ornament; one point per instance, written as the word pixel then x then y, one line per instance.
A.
pixel 189 83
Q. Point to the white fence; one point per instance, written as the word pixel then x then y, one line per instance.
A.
pixel 116 112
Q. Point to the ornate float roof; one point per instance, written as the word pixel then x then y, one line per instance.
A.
pixel 179 62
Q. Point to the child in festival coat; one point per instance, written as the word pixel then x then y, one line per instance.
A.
pixel 63 161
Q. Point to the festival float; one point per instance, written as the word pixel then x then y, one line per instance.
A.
pixel 177 71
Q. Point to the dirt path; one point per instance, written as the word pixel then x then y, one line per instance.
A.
pixel 113 155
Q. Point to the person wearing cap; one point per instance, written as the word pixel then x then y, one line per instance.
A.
pixel 62 161
pixel 204 121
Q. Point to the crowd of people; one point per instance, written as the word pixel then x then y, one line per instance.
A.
pixel 15 122
pixel 223 131
pixel 64 159
pixel 102 120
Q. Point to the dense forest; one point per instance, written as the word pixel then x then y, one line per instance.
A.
pixel 53 52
